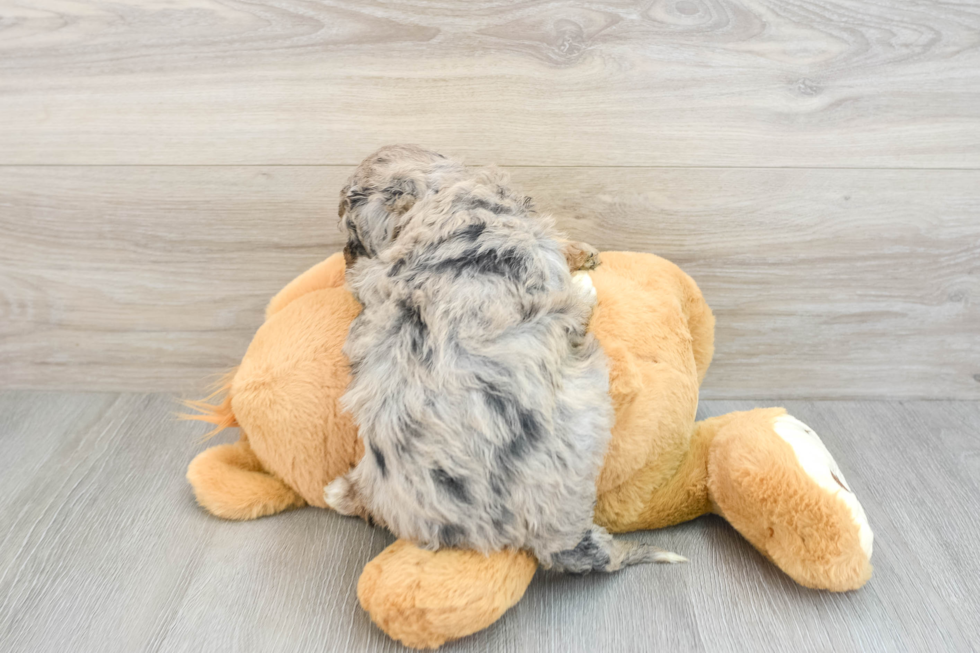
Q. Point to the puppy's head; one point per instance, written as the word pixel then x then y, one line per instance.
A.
pixel 383 189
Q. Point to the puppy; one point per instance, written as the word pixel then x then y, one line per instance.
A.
pixel 481 398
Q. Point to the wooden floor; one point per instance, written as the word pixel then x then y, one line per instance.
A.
pixel 102 549
pixel 167 165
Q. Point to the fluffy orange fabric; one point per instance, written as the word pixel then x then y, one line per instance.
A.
pixel 219 414
pixel 230 482
pixel 758 486
pixel 661 467
pixel 413 594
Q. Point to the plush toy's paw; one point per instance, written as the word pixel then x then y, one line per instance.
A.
pixel 230 482
pixel 426 598
pixel 819 465
pixel 341 496
pixel 772 478
pixel 583 285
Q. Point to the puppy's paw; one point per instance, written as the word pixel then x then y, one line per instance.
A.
pixel 339 495
pixel 581 256
pixel 583 285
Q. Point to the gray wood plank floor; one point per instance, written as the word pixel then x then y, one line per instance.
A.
pixel 103 549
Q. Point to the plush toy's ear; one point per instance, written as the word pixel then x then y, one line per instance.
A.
pixel 325 274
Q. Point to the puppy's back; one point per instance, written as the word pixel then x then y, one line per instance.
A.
pixel 481 397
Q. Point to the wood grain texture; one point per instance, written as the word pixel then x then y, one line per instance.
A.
pixel 672 83
pixel 102 549
pixel 826 283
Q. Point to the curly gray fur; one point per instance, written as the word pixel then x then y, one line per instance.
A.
pixel 481 398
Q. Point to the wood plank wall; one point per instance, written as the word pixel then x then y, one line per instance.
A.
pixel 167 165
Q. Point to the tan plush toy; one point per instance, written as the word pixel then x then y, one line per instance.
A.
pixel 764 471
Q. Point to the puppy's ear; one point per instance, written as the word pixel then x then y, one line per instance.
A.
pixel 370 216
pixel 401 195
pixel 351 197
pixel 354 249
pixel 344 205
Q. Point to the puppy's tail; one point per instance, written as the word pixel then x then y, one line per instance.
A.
pixel 598 551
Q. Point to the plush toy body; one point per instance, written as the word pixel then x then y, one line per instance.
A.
pixel 764 471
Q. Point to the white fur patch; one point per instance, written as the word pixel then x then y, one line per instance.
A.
pixel 583 283
pixel 335 494
pixel 670 558
pixel 817 462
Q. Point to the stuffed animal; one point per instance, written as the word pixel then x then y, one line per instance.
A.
pixel 763 470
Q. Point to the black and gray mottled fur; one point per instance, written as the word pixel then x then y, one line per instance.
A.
pixel 481 399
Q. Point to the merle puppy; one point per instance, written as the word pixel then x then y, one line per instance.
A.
pixel 481 399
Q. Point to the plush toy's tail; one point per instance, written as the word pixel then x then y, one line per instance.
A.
pixel 229 480
pixel 219 414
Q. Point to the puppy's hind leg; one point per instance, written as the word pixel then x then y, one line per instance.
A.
pixel 598 551
pixel 580 256
pixel 341 495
